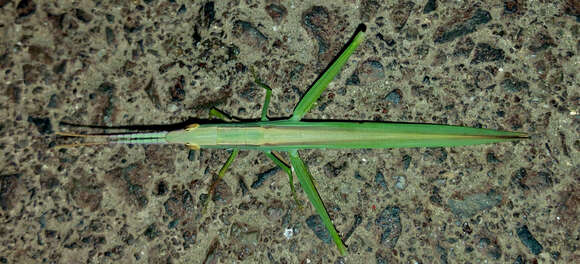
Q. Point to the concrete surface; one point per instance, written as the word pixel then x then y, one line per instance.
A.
pixel 509 65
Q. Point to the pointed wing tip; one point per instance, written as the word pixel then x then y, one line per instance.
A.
pixel 520 135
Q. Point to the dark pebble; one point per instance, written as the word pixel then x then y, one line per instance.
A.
pixel 468 26
pixel 430 7
pixel 382 257
pixel 491 158
pixel 138 195
pixel 14 92
pixel 203 198
pixel 276 12
pixel 263 177
pixel 380 180
pixel 25 8
pixel 511 6
pixel 42 124
pixel 31 73
pixel 59 68
pixel 486 53
pixel 173 224
pixel 358 176
pixel 182 9
pixel 53 102
pixel 243 186
pixel 389 41
pixel 83 16
pixel 110 36
pixel 8 184
pixel 161 188
pixel 406 161
pixel 443 254
pixel 314 222
pixel 249 35
pixel 187 200
pixel 464 47
pixel 395 96
pixel 514 85
pixel 435 197
pixel 542 41
pixel 389 221
pixel 352 80
pixel 151 232
pixel 316 20
pixel 189 238
pixel 333 170
pixel 208 13
pixel 110 18
pixel 519 178
pixel 177 91
pixel 528 240
pixel 191 155
pixel 400 14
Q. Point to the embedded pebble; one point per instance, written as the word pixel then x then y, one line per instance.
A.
pixel 514 85
pixel 369 72
pixel 470 205
pixel 486 53
pixel 389 223
pixel 456 30
pixel 400 182
pixel 249 34
pixel 42 124
pixel 395 96
pixel 276 12
pixel 529 240
pixel 314 222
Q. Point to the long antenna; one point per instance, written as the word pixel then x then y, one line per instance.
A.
pixel 117 138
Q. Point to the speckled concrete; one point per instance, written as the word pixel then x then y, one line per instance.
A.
pixel 497 64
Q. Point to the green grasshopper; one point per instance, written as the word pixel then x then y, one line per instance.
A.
pixel 294 134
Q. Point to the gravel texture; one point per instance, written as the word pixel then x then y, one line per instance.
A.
pixel 509 65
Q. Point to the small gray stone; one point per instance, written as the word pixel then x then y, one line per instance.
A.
pixel 473 204
pixel 400 182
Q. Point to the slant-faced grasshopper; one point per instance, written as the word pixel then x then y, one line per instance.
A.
pixel 294 134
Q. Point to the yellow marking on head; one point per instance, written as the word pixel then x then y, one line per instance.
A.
pixel 191 127
pixel 192 146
